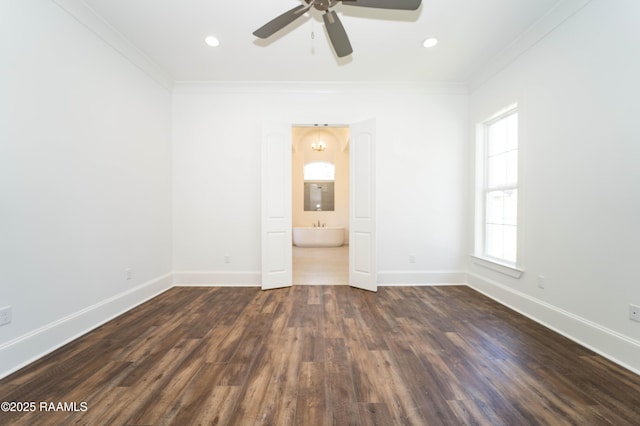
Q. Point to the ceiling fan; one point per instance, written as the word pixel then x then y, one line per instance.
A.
pixel 337 34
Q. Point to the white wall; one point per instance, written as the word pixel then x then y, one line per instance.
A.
pixel 421 173
pixel 579 212
pixel 85 180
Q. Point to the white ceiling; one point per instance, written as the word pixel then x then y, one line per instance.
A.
pixel 387 44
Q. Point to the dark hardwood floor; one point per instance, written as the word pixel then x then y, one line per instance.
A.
pixel 324 355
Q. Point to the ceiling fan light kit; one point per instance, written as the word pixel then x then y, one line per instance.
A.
pixel 335 30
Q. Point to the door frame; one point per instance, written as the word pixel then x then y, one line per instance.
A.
pixel 266 282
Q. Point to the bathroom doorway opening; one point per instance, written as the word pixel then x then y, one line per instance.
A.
pixel 320 204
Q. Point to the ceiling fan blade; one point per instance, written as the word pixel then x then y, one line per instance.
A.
pixel 385 4
pixel 337 34
pixel 281 21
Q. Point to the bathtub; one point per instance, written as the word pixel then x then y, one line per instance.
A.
pixel 318 237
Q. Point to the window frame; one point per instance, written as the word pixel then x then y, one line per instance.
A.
pixel 317 177
pixel 481 254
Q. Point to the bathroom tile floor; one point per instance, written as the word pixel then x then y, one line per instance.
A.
pixel 321 266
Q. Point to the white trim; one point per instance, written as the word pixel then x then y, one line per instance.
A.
pixel 318 87
pixel 608 343
pixel 253 278
pixel 503 113
pixel 424 285
pixel 85 15
pixel 483 189
pixel 420 278
pixel 495 265
pixel 562 11
pixel 32 346
pixel 217 278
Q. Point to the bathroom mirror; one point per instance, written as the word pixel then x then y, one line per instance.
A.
pixel 318 196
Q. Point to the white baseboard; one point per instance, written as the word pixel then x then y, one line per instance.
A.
pixel 217 278
pixel 27 348
pixel 421 278
pixel 254 278
pixel 610 344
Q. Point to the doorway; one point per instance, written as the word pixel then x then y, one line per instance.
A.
pixel 320 199
pixel 276 212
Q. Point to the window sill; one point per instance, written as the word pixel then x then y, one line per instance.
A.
pixel 497 266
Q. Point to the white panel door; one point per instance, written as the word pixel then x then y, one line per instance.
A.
pixel 276 207
pixel 362 212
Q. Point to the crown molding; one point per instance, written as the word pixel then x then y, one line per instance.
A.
pixel 84 14
pixel 561 12
pixel 319 87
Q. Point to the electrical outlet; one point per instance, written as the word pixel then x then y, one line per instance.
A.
pixel 128 274
pixel 541 281
pixel 412 259
pixel 5 315
pixel 634 313
pixel 227 259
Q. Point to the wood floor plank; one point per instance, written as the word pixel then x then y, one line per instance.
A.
pixel 245 324
pixel 200 398
pixel 476 376
pixel 146 389
pixel 275 387
pixel 332 316
pixel 398 394
pixel 251 408
pixel 420 380
pixel 284 383
pixel 311 404
pixel 374 414
pixel 474 412
pixel 218 409
pixel 342 406
pixel 325 355
pixel 155 409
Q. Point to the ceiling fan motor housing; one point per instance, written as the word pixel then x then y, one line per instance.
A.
pixel 323 5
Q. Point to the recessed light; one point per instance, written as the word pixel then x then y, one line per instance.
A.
pixel 430 42
pixel 212 41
